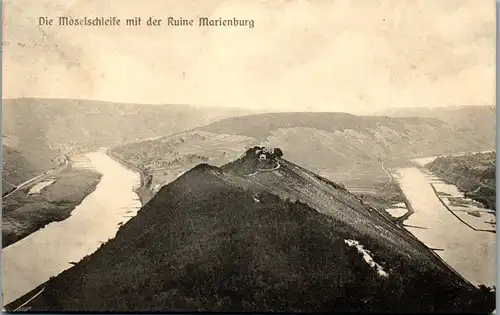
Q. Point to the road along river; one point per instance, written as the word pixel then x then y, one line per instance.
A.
pixel 471 253
pixel 49 251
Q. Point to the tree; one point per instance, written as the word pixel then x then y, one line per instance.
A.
pixel 278 152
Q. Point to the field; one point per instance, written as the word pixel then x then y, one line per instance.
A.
pixel 167 158
pixel 24 214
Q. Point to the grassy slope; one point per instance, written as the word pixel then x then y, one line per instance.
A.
pixel 24 214
pixel 202 243
pixel 473 174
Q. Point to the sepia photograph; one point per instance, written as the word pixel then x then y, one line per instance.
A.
pixel 300 156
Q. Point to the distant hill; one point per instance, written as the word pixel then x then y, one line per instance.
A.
pixel 477 120
pixel 51 127
pixel 343 147
pixel 261 126
pixel 259 235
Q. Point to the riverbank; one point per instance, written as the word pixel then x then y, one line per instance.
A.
pixel 26 213
pixel 49 251
pixel 143 191
pixel 471 253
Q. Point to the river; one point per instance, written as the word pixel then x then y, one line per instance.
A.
pixel 49 251
pixel 471 253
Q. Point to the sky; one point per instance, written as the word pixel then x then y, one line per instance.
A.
pixel 338 55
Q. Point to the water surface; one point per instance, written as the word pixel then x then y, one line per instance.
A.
pixel 49 251
pixel 470 253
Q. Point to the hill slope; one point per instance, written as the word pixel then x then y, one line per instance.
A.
pixel 342 147
pixel 19 166
pixel 51 127
pixel 475 120
pixel 261 126
pixel 223 239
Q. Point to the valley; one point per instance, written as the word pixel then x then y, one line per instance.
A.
pixel 46 139
pixel 250 240
pixel 37 133
pixel 341 197
pixel 352 150
pixel 332 157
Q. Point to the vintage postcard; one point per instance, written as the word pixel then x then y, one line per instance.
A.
pixel 249 156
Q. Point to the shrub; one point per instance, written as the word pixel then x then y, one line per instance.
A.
pixel 278 152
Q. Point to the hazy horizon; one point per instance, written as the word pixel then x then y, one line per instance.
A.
pixel 247 111
pixel 343 56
